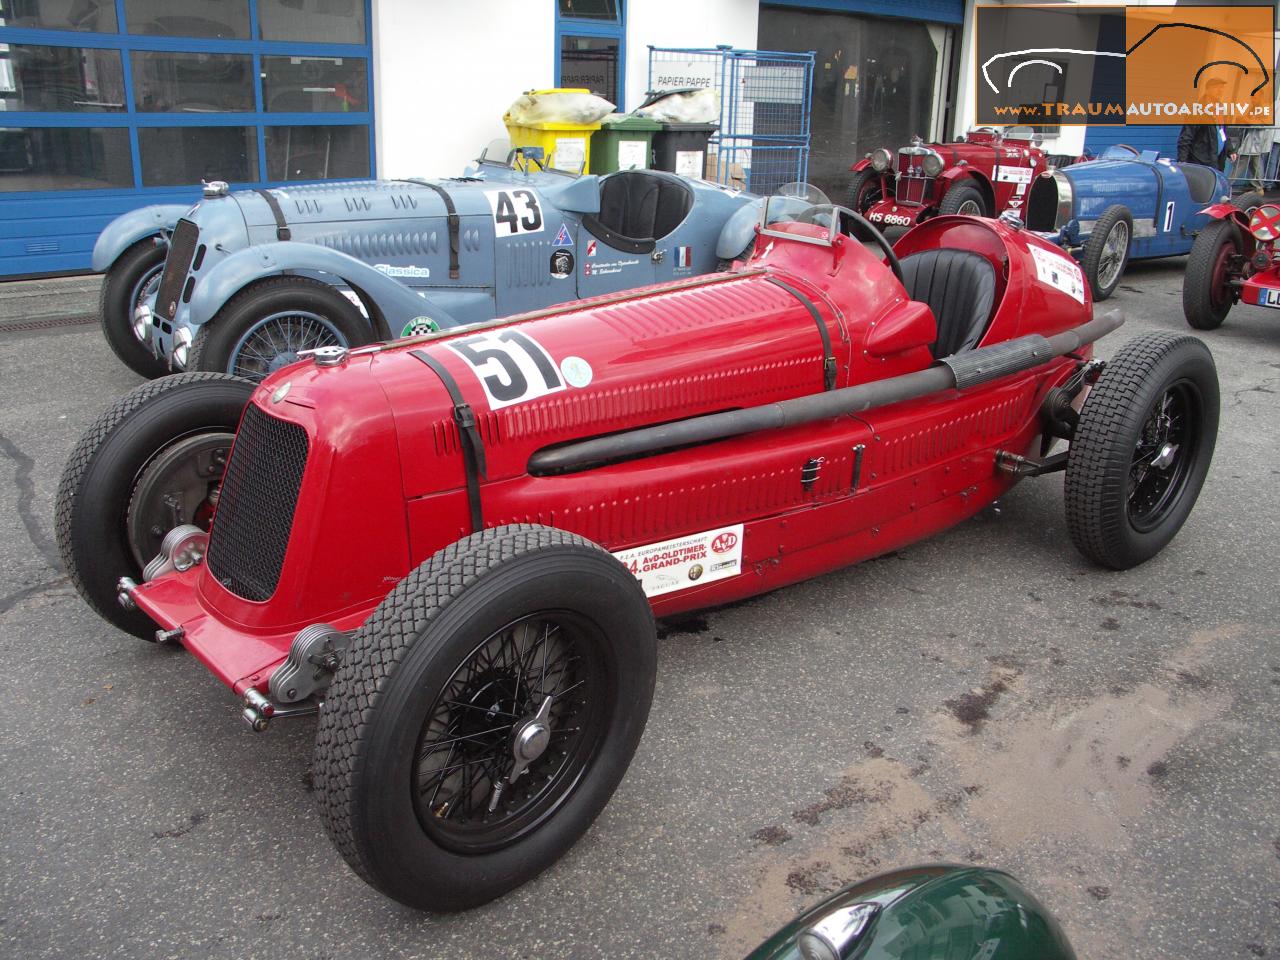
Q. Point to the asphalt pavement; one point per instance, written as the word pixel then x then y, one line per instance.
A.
pixel 986 696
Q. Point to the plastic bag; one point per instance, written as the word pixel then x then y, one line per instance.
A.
pixel 686 106
pixel 552 106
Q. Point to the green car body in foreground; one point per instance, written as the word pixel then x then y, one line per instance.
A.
pixel 935 912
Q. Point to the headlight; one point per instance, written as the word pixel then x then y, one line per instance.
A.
pixel 1265 222
pixel 142 322
pixel 932 163
pixel 881 159
pixel 181 347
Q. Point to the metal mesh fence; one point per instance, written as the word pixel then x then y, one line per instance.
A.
pixel 762 140
pixel 1253 172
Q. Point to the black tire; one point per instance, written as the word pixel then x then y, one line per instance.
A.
pixel 964 195
pixel 373 721
pixel 1206 295
pixel 864 190
pixel 121 287
pixel 101 478
pixel 1119 512
pixel 1098 260
pixel 1248 202
pixel 215 345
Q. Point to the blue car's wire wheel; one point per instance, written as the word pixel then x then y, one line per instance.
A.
pixel 277 340
pixel 267 326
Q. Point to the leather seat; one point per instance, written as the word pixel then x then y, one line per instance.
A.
pixel 1201 181
pixel 960 289
pixel 638 208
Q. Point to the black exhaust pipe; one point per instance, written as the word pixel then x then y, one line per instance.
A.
pixel 957 372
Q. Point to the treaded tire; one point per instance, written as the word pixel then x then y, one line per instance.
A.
pixel 115 307
pixel 864 190
pixel 215 341
pixel 960 194
pixel 1248 202
pixel 1106 438
pixel 1095 246
pixel 99 478
pixel 404 654
pixel 1205 303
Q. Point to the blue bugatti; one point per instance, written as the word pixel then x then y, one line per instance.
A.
pixel 1125 205
pixel 244 281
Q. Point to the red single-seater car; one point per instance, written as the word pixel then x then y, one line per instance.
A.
pixel 1234 259
pixel 986 174
pixel 453 547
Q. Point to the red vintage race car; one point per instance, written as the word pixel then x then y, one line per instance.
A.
pixel 453 547
pixel 983 175
pixel 1233 260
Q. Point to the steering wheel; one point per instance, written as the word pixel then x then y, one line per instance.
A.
pixel 1124 146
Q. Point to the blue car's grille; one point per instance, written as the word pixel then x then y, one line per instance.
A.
pixel 182 248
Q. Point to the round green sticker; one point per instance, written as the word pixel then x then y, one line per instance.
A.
pixel 418 326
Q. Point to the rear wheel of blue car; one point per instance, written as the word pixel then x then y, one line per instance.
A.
pixel 268 325
pixel 484 714
pixel 128 283
pixel 1142 449
pixel 1106 251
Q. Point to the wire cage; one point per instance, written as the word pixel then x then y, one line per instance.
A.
pixel 762 140
pixel 1254 172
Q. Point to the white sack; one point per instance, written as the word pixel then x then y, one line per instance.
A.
pixel 698 106
pixel 580 108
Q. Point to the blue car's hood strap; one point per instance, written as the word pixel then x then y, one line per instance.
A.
pixel 453 221
pixel 282 228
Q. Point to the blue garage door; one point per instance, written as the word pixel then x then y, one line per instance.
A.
pixel 113 104
pixel 1155 137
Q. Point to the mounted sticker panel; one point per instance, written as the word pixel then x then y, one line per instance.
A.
pixel 685 562
pixel 510 365
pixel 515 211
pixel 1058 272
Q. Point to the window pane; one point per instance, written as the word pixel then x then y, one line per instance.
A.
pixel 96 15
pixel 316 21
pixel 192 82
pixel 590 62
pixel 60 78
pixel 187 155
pixel 64 158
pixel 314 84
pixel 317 153
pixel 590 9
pixel 225 19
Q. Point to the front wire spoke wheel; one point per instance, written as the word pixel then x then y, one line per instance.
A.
pixel 277 340
pixel 1160 463
pixel 509 733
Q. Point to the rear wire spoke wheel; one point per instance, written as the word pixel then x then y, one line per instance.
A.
pixel 1142 449
pixel 484 714
pixel 264 327
pixel 151 462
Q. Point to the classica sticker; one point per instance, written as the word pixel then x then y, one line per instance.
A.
pixel 686 562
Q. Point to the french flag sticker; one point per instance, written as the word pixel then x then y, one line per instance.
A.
pixel 684 256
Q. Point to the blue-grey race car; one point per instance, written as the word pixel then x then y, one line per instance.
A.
pixel 244 281
pixel 1126 205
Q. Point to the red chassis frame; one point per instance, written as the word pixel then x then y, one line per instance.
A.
pixel 385 484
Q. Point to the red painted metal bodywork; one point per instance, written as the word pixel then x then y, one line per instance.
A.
pixel 996 165
pixel 384 486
